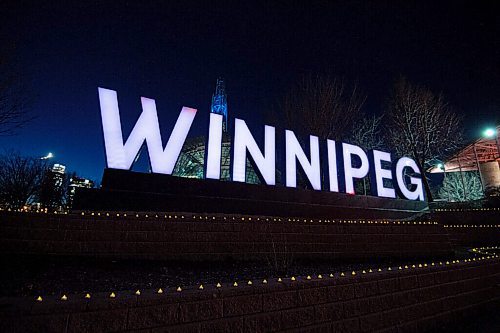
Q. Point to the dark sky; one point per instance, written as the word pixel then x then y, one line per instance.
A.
pixel 173 51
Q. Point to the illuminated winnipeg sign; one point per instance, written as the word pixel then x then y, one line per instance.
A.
pixel 338 175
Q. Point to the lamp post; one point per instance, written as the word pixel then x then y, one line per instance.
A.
pixel 490 133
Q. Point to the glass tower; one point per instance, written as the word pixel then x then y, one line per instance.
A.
pixel 219 102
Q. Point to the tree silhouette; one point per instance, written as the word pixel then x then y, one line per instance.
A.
pixel 321 106
pixel 14 101
pixel 20 179
pixel 367 135
pixel 421 125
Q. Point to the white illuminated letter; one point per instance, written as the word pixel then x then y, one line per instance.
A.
pixel 379 174
pixel 243 141
pixel 351 172
pixel 332 166
pixel 418 192
pixel 212 169
pixel 122 156
pixel 294 152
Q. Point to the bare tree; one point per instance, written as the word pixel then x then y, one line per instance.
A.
pixel 454 185
pixel 421 125
pixel 14 103
pixel 321 106
pixel 20 179
pixel 367 134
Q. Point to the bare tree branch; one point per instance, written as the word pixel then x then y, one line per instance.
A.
pixel 14 103
pixel 20 179
pixel 321 106
pixel 367 133
pixel 422 125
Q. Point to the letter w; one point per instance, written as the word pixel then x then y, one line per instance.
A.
pixel 147 128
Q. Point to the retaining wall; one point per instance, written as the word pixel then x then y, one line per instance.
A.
pixel 470 227
pixel 474 235
pixel 434 298
pixel 216 236
pixel 474 216
pixel 128 190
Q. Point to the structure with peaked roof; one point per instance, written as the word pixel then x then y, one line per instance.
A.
pixel 482 155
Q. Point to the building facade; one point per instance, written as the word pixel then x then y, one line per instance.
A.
pixel 77 182
pixel 192 157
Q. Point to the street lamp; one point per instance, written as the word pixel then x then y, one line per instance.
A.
pixel 492 133
pixel 489 132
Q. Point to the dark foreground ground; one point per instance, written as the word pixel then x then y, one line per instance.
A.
pixel 32 276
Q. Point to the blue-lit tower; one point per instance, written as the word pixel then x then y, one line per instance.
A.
pixel 219 102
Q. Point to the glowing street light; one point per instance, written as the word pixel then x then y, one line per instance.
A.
pixel 493 133
pixel 489 132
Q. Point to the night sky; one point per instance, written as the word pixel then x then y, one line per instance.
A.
pixel 175 52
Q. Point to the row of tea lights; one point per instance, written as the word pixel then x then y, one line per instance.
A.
pixel 179 289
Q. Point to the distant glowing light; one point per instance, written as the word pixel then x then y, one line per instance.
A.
pixel 49 155
pixel 490 132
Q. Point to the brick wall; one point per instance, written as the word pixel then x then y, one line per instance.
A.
pixel 128 190
pixel 434 298
pixel 471 235
pixel 470 227
pixel 213 237
pixel 467 216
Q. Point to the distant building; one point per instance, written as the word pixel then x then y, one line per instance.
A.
pixel 192 158
pixel 52 189
pixel 77 182
pixel 219 103
pixel 58 171
pixel 483 156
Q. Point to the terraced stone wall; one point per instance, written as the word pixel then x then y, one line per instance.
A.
pixel 431 298
pixel 216 237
